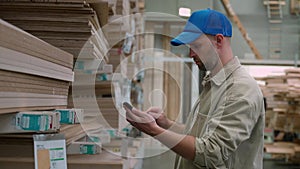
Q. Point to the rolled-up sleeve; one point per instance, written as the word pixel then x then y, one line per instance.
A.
pixel 231 125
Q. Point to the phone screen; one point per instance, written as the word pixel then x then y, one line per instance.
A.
pixel 126 104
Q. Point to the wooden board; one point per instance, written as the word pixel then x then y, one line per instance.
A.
pixel 50 8
pixel 30 102
pixel 45 35
pixel 28 108
pixel 94 89
pixel 18 40
pixel 31 89
pixel 53 26
pixel 15 82
pixel 102 11
pixel 72 132
pixel 20 62
pixel 10 76
pixel 12 100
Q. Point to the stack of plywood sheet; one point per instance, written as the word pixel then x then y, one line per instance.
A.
pixel 293 97
pixel 118 22
pixel 282 94
pixel 71 25
pixel 116 28
pixel 88 86
pixel 109 111
pixel 123 31
pixel 34 74
pixel 97 102
pixel 287 150
pixel 72 132
pixel 74 26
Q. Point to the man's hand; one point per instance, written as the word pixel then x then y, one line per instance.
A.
pixel 159 117
pixel 146 122
pixel 142 121
pixel 162 120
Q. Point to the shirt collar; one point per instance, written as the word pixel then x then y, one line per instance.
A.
pixel 226 71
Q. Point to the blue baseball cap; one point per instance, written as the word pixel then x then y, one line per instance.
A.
pixel 205 21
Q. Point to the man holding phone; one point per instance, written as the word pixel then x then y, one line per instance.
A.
pixel 225 127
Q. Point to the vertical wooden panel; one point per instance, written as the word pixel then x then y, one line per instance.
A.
pixel 153 75
pixel 172 78
pixel 172 88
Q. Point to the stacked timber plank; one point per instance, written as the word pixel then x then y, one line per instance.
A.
pixel 34 74
pixel 282 97
pixel 287 150
pixel 101 108
pixel 97 101
pixel 283 101
pixel 35 78
pixel 74 26
pixel 124 32
pixel 70 25
pixel 118 22
pixel 88 88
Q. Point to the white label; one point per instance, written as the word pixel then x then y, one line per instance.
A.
pixel 57 150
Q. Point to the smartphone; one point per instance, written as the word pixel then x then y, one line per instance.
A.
pixel 126 104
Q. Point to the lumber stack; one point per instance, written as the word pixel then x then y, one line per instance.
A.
pixel 36 66
pixel 124 32
pixel 35 79
pixel 89 86
pixel 76 26
pixel 288 151
pixel 283 95
pixel 34 74
pixel 93 81
pixel 72 26
pixel 97 101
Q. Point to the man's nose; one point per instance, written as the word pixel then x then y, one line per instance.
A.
pixel 192 53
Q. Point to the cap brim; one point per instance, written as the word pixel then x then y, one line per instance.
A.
pixel 185 38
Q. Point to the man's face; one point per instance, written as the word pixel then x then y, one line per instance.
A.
pixel 197 60
pixel 203 53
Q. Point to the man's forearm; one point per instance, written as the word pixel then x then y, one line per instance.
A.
pixel 176 127
pixel 184 145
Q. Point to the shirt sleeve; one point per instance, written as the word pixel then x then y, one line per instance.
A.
pixel 231 126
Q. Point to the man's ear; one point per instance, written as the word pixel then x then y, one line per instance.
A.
pixel 219 39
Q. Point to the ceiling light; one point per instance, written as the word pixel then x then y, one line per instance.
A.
pixel 185 12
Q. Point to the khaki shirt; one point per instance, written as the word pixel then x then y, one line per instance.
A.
pixel 228 122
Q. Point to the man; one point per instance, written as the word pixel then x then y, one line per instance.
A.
pixel 225 128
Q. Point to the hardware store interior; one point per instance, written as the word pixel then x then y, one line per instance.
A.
pixel 123 84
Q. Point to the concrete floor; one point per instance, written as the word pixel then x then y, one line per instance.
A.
pixel 166 161
pixel 158 157
pixel 162 162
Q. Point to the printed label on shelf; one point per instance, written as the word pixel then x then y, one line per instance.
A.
pixel 50 151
